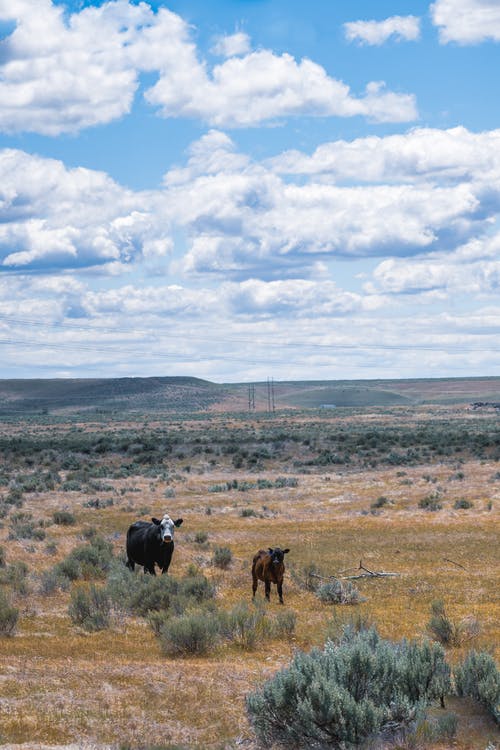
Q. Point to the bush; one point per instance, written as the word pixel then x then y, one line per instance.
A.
pixel 446 631
pixel 478 677
pixel 15 575
pixel 8 616
pixel 22 526
pixel 463 504
pixel 336 592
pixel 87 561
pixel 245 624
pixel 379 502
pixel 222 557
pixel 201 537
pixel 90 608
pixel 64 518
pixel 348 691
pixel 430 502
pixel 195 633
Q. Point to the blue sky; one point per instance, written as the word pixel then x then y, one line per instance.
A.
pixel 248 189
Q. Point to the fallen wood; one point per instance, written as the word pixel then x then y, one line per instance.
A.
pixel 447 559
pixel 366 574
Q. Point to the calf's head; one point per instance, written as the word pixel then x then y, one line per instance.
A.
pixel 277 555
pixel 166 528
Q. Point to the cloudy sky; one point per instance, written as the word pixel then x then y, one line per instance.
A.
pixel 243 189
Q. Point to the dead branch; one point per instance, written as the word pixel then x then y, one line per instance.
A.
pixel 447 559
pixel 366 574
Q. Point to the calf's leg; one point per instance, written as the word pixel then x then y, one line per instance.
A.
pixel 268 589
pixel 280 592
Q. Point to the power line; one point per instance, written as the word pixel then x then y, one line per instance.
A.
pixel 96 330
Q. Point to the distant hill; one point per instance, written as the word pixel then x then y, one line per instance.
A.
pixel 192 395
pixel 115 394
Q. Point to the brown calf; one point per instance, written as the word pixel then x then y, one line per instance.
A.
pixel 268 566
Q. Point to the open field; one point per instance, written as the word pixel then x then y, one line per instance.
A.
pixel 336 487
pixel 114 397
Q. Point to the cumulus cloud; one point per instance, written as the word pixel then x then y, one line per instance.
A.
pixel 471 269
pixel 426 154
pixel 71 218
pixel 402 28
pixel 222 213
pixel 466 21
pixel 63 73
pixel 262 86
pixel 231 45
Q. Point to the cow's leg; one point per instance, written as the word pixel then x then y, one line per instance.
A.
pixel 268 590
pixel 280 592
pixel 130 564
pixel 149 568
pixel 255 582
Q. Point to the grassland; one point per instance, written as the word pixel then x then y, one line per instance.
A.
pixel 308 480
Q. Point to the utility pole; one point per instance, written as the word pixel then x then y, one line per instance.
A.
pixel 270 395
pixel 251 398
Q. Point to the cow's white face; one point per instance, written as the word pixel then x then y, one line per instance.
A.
pixel 167 527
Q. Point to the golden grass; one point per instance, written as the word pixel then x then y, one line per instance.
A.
pixel 59 685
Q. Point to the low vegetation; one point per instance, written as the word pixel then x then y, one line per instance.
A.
pixel 408 491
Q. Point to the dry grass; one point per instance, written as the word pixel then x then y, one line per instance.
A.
pixel 59 685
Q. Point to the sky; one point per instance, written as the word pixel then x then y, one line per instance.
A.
pixel 247 189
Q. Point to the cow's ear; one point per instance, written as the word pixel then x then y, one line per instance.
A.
pixel 270 549
pixel 285 551
pixel 156 521
pixel 178 522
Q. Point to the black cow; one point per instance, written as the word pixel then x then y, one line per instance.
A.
pixel 268 566
pixel 150 543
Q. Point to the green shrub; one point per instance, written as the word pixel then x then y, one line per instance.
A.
pixel 9 616
pixel 195 633
pixel 15 576
pixel 91 560
pixel 478 677
pixel 246 624
pixel 379 502
pixel 285 623
pixel 222 557
pixel 463 504
pixel 90 608
pixel 23 526
pixel 201 537
pixel 347 692
pixel 448 632
pixel 52 580
pixel 430 502
pixel 64 518
pixel 336 592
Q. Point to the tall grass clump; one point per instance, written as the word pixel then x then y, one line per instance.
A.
pixel 351 690
pixel 448 632
pixel 222 557
pixel 193 633
pixel 90 608
pixel 9 616
pixel 478 677
pixel 87 561
pixel 336 592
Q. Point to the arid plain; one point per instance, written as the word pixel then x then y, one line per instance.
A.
pixel 411 490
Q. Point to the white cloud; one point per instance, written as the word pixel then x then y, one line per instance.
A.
pixel 234 44
pixel 61 74
pixel 53 216
pixel 422 154
pixel 261 86
pixel 467 21
pixel 402 28
pixel 224 214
